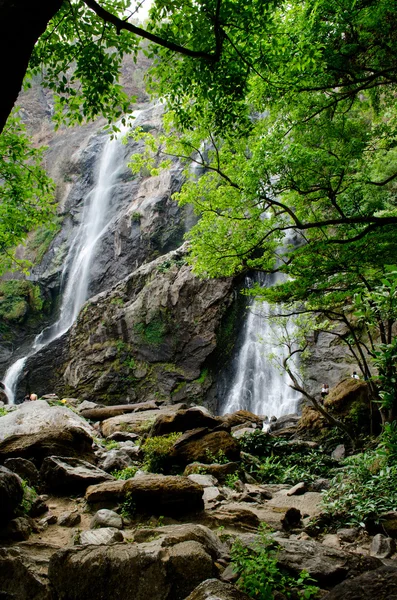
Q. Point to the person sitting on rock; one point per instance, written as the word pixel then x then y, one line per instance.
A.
pixel 33 397
pixel 324 390
pixel 355 375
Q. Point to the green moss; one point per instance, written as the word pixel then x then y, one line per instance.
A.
pixel 39 243
pixel 152 333
pixel 18 299
pixel 157 452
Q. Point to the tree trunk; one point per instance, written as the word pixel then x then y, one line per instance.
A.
pixel 22 22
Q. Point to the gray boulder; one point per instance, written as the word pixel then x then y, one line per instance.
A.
pixel 36 430
pixel 18 581
pixel 176 534
pixel 116 460
pixel 164 494
pixel 18 529
pixel 11 493
pixel 70 475
pixel 106 518
pixel 326 565
pixel 69 519
pixel 213 589
pixel 380 584
pixel 130 571
pixel 99 537
pixel 25 469
pixel 382 546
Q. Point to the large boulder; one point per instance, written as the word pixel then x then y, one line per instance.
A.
pixel 109 492
pixel 70 475
pixel 201 445
pixel 130 571
pixel 183 420
pixel 380 584
pixel 25 469
pixel 164 495
pixel 242 416
pixel 213 589
pixel 36 430
pixel 18 581
pixel 136 422
pixel 175 534
pixel 326 565
pixel 151 494
pixel 11 494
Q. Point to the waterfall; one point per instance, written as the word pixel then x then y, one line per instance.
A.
pixel 75 279
pixel 259 385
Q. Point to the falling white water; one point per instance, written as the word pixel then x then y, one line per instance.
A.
pixel 76 272
pixel 260 385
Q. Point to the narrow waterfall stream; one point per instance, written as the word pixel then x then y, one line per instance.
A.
pixel 75 279
pixel 259 385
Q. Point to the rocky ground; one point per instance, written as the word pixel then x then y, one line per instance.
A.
pixel 88 534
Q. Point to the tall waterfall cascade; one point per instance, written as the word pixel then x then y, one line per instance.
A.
pixel 75 278
pixel 260 385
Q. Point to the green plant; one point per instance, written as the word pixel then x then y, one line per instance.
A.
pixel 136 217
pixel 156 452
pixel 128 506
pixel 231 479
pixel 29 497
pixel 3 411
pixel 219 457
pixel 130 363
pixel 117 302
pixel 259 574
pixel 280 462
pixel 169 263
pixel 126 473
pixel 108 444
pixel 363 490
pixel 153 332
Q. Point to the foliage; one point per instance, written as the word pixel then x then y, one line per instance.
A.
pixel 29 497
pixel 41 239
pixel 219 457
pixel 171 262
pixel 281 462
pixel 128 506
pixel 126 473
pixel 108 444
pixel 83 57
pixel 231 480
pixel 260 576
pixel 3 411
pixel 153 332
pixel 18 298
pixel 26 193
pixel 366 487
pixel 156 451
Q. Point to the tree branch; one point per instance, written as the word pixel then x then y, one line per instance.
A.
pixel 121 24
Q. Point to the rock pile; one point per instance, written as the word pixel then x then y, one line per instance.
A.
pixel 163 536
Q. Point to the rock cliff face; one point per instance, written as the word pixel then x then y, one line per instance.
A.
pixel 149 337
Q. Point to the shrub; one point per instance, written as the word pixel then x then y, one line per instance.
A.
pixel 365 489
pixel 259 575
pixel 281 462
pixel 157 451
pixel 29 497
pixel 126 473
pixel 219 457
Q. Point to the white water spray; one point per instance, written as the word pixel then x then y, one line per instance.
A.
pixel 259 385
pixel 76 272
